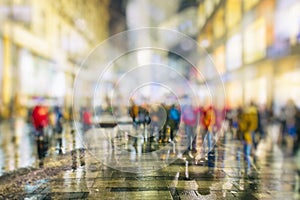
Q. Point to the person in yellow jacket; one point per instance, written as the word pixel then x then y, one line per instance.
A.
pixel 248 123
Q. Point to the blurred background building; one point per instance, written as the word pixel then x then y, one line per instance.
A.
pixel 253 43
pixel 42 44
pixel 255 47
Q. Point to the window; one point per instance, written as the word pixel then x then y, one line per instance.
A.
pixel 233 13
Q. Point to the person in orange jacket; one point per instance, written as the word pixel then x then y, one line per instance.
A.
pixel 208 120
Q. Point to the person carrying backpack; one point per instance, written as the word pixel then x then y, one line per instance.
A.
pixel 173 120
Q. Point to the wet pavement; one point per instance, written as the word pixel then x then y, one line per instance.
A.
pixel 18 145
pixel 221 174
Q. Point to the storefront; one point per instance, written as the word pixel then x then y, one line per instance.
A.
pixel 50 81
pixel 1 68
pixel 234 52
pixel 256 91
pixel 258 83
pixel 233 90
pixel 287 82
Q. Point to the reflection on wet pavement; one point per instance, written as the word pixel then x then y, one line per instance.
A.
pixel 221 174
pixel 18 145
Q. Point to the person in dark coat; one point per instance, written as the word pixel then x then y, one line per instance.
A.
pixel 58 127
pixel 297 128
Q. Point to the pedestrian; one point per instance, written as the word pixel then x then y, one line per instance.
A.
pixel 297 130
pixel 143 116
pixel 173 120
pixel 189 117
pixel 86 120
pixel 166 132
pixel 248 125
pixel 290 111
pixel 58 127
pixel 133 112
pixel 282 121
pixel 40 121
pixel 237 122
pixel 263 118
pixel 254 118
pixel 51 115
pixel 158 118
pixel 208 120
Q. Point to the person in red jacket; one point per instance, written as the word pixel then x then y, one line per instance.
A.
pixel 86 119
pixel 40 117
pixel 40 120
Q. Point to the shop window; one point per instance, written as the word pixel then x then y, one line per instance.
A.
pixel 219 59
pixel 233 13
pixel 234 52
pixel 205 39
pixel 287 18
pixel 256 91
pixel 209 7
pixel 234 93
pixel 255 41
pixel 201 15
pixel 266 10
pixel 218 24
pixel 1 64
pixel 26 72
pixel 248 4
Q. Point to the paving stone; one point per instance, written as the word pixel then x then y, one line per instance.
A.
pixel 185 178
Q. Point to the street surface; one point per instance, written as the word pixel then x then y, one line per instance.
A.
pixel 84 174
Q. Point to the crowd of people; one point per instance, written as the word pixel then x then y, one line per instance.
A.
pixel 45 119
pixel 248 124
pixel 164 121
pixel 252 123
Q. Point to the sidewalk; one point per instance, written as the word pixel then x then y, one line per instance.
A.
pixel 221 176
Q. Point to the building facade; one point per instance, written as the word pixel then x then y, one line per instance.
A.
pixel 42 45
pixel 255 47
